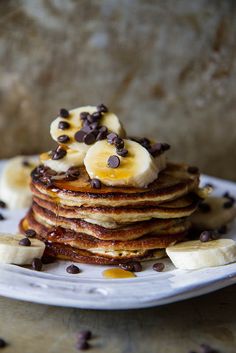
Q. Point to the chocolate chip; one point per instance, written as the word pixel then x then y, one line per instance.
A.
pixel 204 207
pixel 26 163
pixel 25 242
pixel 96 116
pixel 3 204
pixel 193 170
pixel 228 204
pixel 47 181
pixel 89 139
pixel 84 335
pixel 73 269
pixel 215 235
pixel 227 195
pixel 37 264
pixel 118 142
pixel 137 266
pixel 84 115
pixel 94 126
pixel 59 153
pixel 2 343
pixel 63 138
pixel 205 236
pixel 47 260
pixel 223 229
pixel 145 142
pixel 2 218
pixel 101 108
pixel 82 345
pixel 30 233
pixel 73 172
pixel 127 266
pixel 113 161
pixel 64 113
pixel 79 135
pixel 123 152
pixel 111 137
pixel 159 267
pixel 102 135
pixel 63 125
pixel 95 183
pixel 165 146
pixel 155 150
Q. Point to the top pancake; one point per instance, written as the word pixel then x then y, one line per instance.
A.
pixel 173 182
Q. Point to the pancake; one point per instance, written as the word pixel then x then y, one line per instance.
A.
pixel 125 232
pixel 173 182
pixel 179 208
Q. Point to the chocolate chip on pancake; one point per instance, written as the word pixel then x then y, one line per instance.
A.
pixel 123 152
pixel 84 115
pixel 205 236
pixel 64 113
pixel 113 161
pixel 63 125
pixel 63 138
pixel 79 135
pixel 111 137
pixel 118 142
pixel 25 242
pixel 102 108
pixel 30 233
pixel 59 153
pixel 89 138
pixel 96 116
pixel 73 172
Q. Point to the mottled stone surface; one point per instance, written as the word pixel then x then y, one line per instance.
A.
pixel 168 68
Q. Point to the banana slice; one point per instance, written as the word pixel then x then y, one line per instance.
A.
pixel 14 181
pixel 195 254
pixel 136 169
pixel 13 253
pixel 74 122
pixel 71 159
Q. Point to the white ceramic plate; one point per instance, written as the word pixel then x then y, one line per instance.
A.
pixel 90 290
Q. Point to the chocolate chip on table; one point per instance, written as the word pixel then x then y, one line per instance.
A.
pixel 89 138
pixel 3 204
pixel 63 138
pixel 123 152
pixel 64 113
pixel 82 345
pixel 25 242
pixel 84 115
pixel 72 269
pixel 205 236
pixel 79 135
pixel 2 343
pixel 204 207
pixel 159 266
pixel 95 183
pixel 118 142
pixel 63 125
pixel 59 153
pixel 2 218
pixel 101 108
pixel 37 264
pixel 113 162
pixel 111 137
pixel 30 233
pixel 85 335
pixel 193 170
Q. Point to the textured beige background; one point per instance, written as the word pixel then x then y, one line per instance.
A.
pixel 166 67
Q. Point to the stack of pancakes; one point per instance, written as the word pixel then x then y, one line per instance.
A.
pixel 111 225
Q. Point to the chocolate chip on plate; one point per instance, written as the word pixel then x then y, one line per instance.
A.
pixel 2 218
pixel 89 138
pixel 193 170
pixel 63 125
pixel 113 162
pixel 63 138
pixel 137 266
pixel 25 242
pixel 123 152
pixel 37 264
pixel 72 269
pixel 2 343
pixel 79 135
pixel 205 236
pixel 84 335
pixel 30 233
pixel 111 137
pixel 159 266
pixel 95 183
pixel 64 113
pixel 128 266
pixel 3 204
pixel 102 108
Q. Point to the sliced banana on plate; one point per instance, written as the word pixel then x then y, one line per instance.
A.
pixel 11 252
pixel 14 181
pixel 195 254
pixel 71 159
pixel 137 168
pixel 63 130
